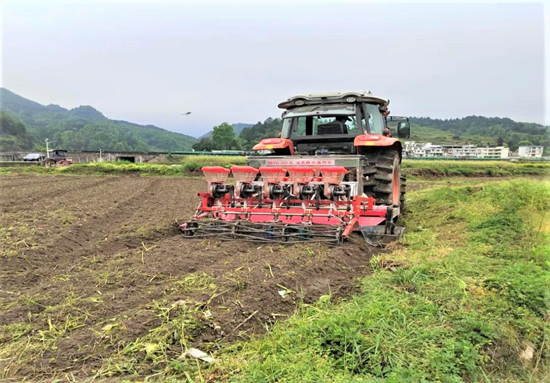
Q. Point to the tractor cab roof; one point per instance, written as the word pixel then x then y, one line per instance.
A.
pixel 332 98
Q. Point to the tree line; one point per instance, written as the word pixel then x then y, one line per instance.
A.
pixel 488 130
pixel 224 138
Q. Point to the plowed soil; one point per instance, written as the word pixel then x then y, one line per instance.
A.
pixel 93 266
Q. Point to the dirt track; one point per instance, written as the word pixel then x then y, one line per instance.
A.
pixel 104 251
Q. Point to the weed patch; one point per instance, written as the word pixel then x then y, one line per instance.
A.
pixel 470 290
pixel 472 168
pixel 192 164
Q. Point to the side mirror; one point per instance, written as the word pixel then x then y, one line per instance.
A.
pixel 404 129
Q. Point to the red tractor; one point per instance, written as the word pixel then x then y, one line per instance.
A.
pixel 334 169
pixel 57 157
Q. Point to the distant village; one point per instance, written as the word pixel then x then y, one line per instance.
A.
pixel 426 149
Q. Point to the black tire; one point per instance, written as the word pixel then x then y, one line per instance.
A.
pixel 48 163
pixel 380 180
pixel 403 192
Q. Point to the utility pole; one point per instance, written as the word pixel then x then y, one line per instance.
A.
pixel 100 158
pixel 47 149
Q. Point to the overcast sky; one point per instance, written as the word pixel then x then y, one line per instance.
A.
pixel 150 63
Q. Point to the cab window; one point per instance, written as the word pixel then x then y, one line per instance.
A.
pixel 321 125
pixel 376 120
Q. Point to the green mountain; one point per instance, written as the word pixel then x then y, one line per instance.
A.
pixel 479 130
pixel 81 128
pixel 238 128
pixel 13 134
pixel 25 124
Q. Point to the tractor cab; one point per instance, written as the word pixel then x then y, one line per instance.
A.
pixel 331 123
pixel 58 154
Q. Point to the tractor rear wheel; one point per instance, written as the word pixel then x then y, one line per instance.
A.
pixel 384 181
pixel 403 191
pixel 49 163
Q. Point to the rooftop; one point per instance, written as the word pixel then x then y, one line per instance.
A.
pixel 328 97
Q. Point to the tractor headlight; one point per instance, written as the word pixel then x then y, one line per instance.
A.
pixel 351 99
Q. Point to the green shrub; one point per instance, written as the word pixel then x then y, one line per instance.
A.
pixel 191 167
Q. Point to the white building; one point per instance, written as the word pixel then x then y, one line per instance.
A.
pixel 426 149
pixel 532 151
pixel 492 152
pixel 460 150
pixel 409 147
pixel 418 152
pixel 433 150
pixel 415 149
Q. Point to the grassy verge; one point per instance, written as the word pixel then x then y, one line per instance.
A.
pixel 189 165
pixel 448 168
pixel 214 160
pixel 193 164
pixel 465 298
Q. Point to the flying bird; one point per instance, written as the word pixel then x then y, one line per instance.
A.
pixel 186 114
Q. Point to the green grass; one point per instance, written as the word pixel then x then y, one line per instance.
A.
pixel 465 295
pixel 189 165
pixel 205 160
pixel 193 164
pixel 473 168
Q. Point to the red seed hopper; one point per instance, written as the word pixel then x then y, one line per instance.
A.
pixel 286 204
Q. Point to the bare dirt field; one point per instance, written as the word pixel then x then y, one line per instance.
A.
pixel 95 280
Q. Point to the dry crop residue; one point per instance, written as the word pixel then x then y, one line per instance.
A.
pixel 93 265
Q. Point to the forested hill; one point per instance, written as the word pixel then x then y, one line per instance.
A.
pixel 13 134
pixel 478 130
pixel 238 128
pixel 26 124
